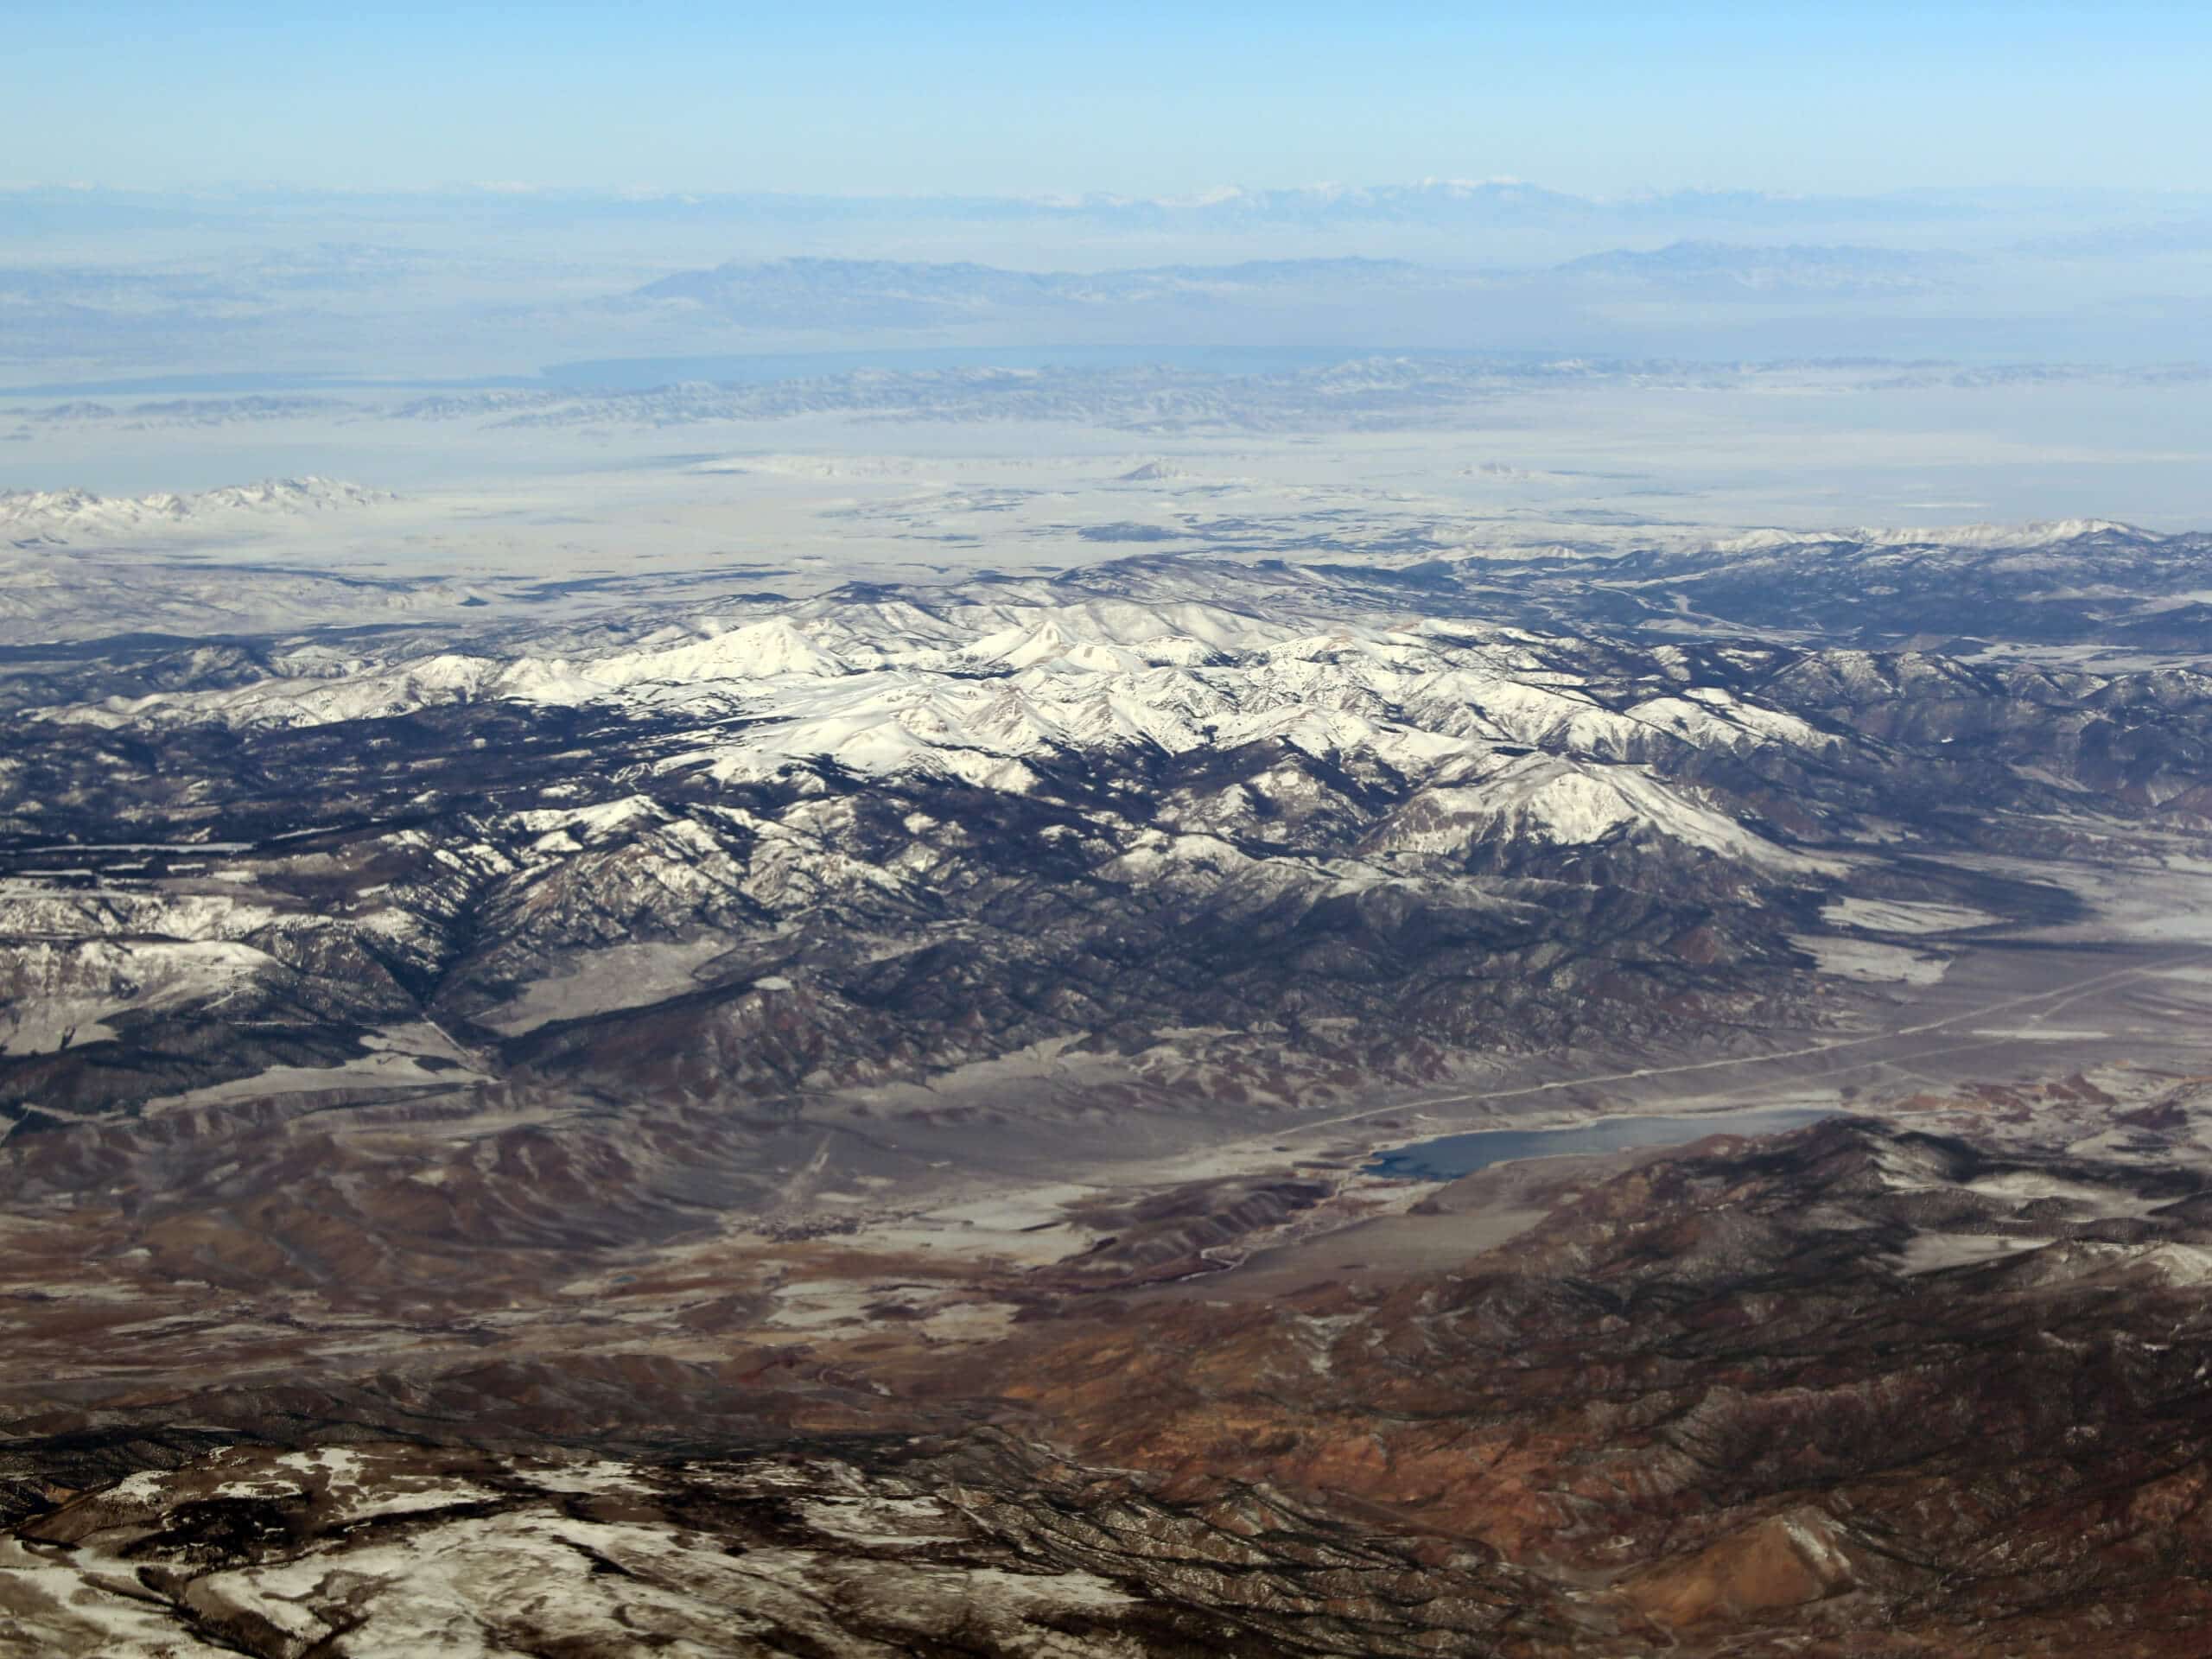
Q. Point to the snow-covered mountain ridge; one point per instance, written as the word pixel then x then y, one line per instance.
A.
pixel 837 842
pixel 976 683
pixel 1975 537
pixel 65 515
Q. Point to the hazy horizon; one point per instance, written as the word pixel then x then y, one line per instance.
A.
pixel 418 194
pixel 986 99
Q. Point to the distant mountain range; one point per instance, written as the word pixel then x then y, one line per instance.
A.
pixel 498 283
pixel 57 515
pixel 1724 267
pixel 879 293
pixel 1457 201
pixel 813 292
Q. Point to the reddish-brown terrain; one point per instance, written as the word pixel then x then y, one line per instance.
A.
pixel 1929 1384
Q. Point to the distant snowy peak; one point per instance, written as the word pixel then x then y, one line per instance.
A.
pixel 60 514
pixel 2043 533
pixel 1753 269
pixel 2054 532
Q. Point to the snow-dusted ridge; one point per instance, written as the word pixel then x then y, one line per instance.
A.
pixel 2035 533
pixel 64 514
pixel 859 815
pixel 970 680
pixel 1509 739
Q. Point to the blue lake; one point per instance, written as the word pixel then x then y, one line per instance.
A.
pixel 1450 1156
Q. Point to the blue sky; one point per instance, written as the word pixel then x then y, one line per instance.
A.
pixel 1136 98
